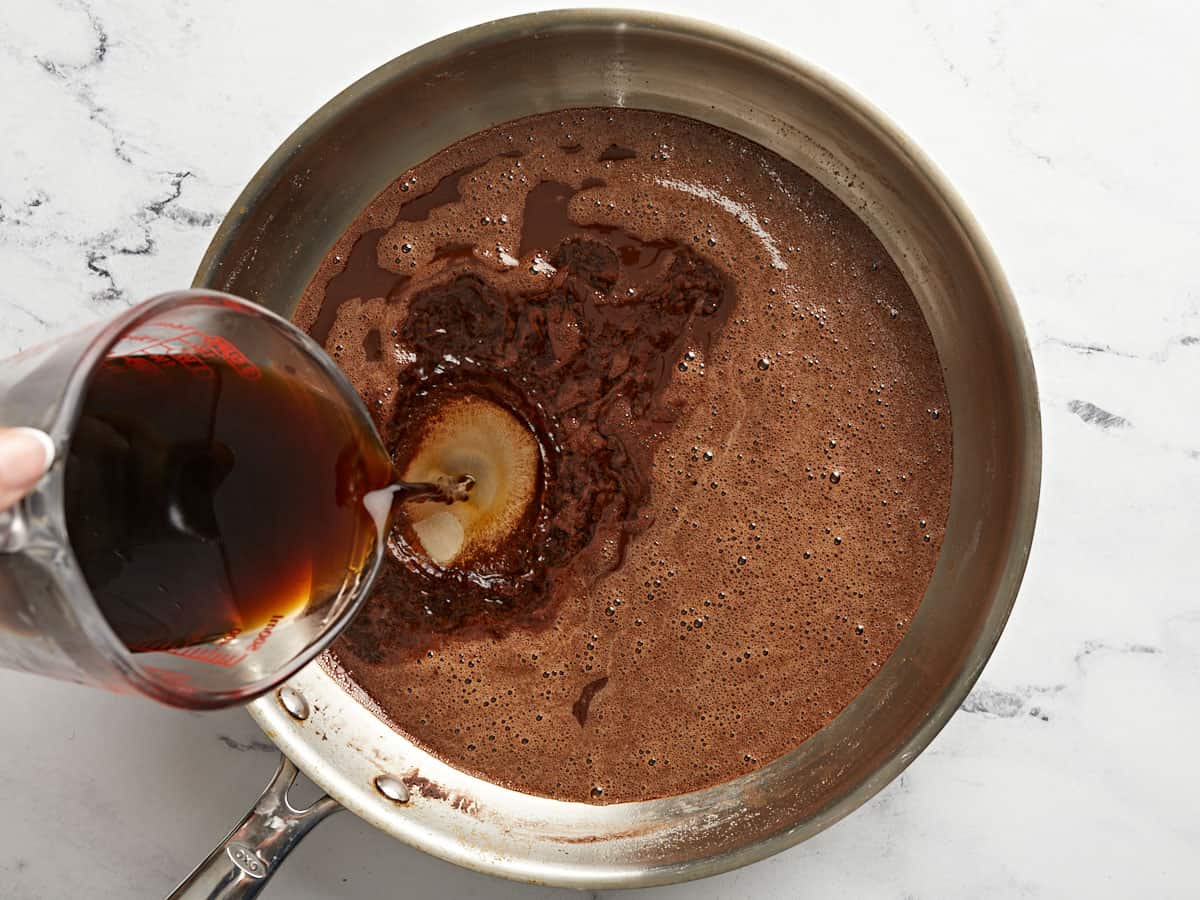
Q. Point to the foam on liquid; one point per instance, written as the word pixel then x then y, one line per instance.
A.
pixel 795 457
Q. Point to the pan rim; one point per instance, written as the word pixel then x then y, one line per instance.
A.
pixel 275 721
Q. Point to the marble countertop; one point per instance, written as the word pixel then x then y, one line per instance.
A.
pixel 128 128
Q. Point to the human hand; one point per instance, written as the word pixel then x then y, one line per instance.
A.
pixel 25 455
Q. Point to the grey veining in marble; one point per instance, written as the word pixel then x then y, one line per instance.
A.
pixel 126 129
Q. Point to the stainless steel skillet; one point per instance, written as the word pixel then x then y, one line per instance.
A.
pixel 308 192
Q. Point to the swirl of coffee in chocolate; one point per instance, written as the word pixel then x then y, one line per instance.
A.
pixel 582 368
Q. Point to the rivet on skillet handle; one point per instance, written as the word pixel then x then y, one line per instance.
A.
pixel 242 864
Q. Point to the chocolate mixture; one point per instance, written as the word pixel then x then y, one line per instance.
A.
pixel 743 451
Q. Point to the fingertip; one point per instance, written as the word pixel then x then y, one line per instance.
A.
pixel 47 443
pixel 25 455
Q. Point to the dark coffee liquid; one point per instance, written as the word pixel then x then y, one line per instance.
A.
pixel 202 501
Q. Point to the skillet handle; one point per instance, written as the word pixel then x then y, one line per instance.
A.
pixel 242 864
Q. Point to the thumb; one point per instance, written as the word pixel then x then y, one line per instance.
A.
pixel 25 455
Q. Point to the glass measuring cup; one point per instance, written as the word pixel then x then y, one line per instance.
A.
pixel 50 620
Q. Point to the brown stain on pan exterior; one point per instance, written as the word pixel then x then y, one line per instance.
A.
pixel 431 790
